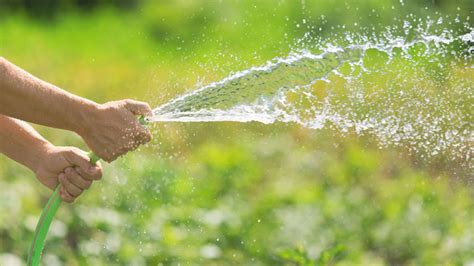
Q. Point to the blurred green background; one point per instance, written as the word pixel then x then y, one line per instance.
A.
pixel 224 193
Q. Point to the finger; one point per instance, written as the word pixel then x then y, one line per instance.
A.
pixel 146 137
pixel 65 181
pixel 86 180
pixel 65 196
pixel 106 155
pixel 110 157
pixel 138 108
pixel 78 157
pixel 96 174
pixel 132 145
pixel 80 181
pixel 143 136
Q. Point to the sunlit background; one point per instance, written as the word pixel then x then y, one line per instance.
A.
pixel 226 193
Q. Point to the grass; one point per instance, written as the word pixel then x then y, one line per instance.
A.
pixel 224 193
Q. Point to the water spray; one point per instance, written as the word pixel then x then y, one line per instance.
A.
pixel 333 88
pixel 50 209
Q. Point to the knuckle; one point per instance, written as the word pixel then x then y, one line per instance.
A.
pixel 107 157
pixel 98 176
pixel 71 153
pixel 147 137
pixel 66 198
pixel 73 193
pixel 64 182
pixel 100 171
pixel 123 149
pixel 141 134
pixel 81 172
pixel 145 106
pixel 71 178
pixel 68 176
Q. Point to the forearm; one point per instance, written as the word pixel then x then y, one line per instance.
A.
pixel 28 98
pixel 20 142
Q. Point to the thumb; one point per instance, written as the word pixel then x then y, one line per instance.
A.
pixel 137 107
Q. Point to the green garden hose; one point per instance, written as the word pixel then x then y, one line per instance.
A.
pixel 42 228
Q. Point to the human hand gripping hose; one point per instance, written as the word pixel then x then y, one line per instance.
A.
pixel 54 201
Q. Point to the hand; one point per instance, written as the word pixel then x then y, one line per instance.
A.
pixel 73 183
pixel 112 128
pixel 71 167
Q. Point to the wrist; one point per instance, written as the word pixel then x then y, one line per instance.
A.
pixel 82 120
pixel 38 153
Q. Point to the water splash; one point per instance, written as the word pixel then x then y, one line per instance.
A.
pixel 234 97
pixel 409 86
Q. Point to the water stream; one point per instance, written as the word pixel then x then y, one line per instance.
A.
pixel 411 86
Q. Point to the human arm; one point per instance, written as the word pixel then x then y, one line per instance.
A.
pixel 67 165
pixel 109 129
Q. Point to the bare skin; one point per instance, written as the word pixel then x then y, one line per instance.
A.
pixel 67 165
pixel 109 129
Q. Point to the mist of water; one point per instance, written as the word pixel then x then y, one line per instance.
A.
pixel 409 86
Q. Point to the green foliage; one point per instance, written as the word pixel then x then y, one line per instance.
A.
pixel 299 256
pixel 227 193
